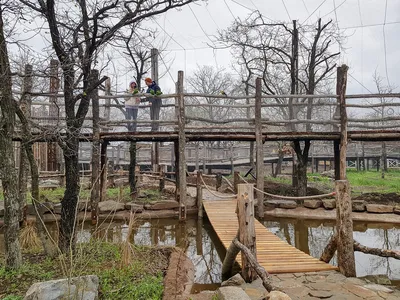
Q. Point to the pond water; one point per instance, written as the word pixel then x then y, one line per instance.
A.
pixel 204 249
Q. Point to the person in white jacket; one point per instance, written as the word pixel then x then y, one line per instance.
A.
pixel 132 105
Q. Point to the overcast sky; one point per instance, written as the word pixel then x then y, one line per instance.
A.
pixel 364 46
pixel 192 29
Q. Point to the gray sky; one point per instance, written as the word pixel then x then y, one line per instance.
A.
pixel 364 46
pixel 365 51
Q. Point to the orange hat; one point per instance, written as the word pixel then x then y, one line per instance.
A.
pixel 148 79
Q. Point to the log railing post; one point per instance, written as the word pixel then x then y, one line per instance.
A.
pixel 236 180
pixel 181 148
pixel 199 195
pixel 103 170
pixel 161 171
pixel 344 221
pixel 260 152
pixel 218 180
pixel 95 164
pixel 247 232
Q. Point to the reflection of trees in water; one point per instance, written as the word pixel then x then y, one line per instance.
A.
pixel 384 239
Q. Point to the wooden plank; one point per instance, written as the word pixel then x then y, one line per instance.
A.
pixel 274 254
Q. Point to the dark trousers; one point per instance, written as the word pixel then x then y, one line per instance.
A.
pixel 131 114
pixel 155 113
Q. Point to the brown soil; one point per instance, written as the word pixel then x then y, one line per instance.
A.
pixel 377 198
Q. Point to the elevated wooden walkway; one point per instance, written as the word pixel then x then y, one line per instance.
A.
pixel 274 254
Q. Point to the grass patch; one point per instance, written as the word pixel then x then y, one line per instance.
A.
pixel 142 279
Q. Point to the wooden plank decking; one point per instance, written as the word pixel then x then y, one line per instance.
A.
pixel 274 254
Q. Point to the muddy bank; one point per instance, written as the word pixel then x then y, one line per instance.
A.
pixel 322 214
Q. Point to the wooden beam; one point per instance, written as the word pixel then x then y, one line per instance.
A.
pixel 260 152
pixel 181 146
pixel 247 232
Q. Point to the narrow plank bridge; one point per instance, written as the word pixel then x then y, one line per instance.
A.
pixel 274 254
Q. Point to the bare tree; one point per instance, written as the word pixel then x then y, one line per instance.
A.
pixel 382 112
pixel 8 174
pixel 78 34
pixel 290 60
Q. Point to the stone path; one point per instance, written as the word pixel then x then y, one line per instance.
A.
pixel 331 285
pixel 316 285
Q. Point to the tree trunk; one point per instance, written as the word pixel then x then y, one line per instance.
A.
pixel 8 174
pixel 132 167
pixel 48 244
pixel 278 168
pixel 301 167
pixel 69 202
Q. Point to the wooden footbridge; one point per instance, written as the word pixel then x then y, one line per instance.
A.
pixel 274 254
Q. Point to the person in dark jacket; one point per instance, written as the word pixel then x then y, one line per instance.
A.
pixel 154 89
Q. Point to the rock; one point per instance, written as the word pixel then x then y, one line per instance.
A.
pixel 57 208
pixel 378 288
pixel 161 205
pixel 49 182
pixel 355 281
pixel 1 208
pixel 329 203
pixel 82 205
pixel 396 210
pixel 121 182
pixel 316 203
pixel 276 295
pixel 45 207
pixel 360 291
pixel 169 190
pixel 378 279
pixel 134 207
pixel 191 201
pixel 330 174
pixel 379 208
pixel 231 293
pixel 358 205
pixel 233 281
pixel 79 288
pixel 320 294
pixel 110 206
pixel 288 204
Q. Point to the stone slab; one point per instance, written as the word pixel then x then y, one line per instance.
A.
pixel 232 293
pixel 379 208
pixel 315 203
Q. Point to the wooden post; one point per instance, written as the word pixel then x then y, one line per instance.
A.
pixel 103 168
pixel 53 112
pixel 95 163
pixel 155 149
pixel 236 180
pixel 344 221
pixel 218 180
pixel 161 171
pixel 181 146
pixel 107 108
pixel 199 194
pixel 176 154
pixel 247 232
pixel 197 156
pixel 336 157
pixel 260 152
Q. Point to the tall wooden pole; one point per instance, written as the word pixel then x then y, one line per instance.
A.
pixel 26 106
pixel 344 221
pixel 247 232
pixel 95 192
pixel 53 112
pixel 155 149
pixel 181 148
pixel 260 152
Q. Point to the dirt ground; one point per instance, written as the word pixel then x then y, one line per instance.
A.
pixel 377 198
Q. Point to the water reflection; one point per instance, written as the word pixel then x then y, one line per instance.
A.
pixel 312 236
pixel 204 249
